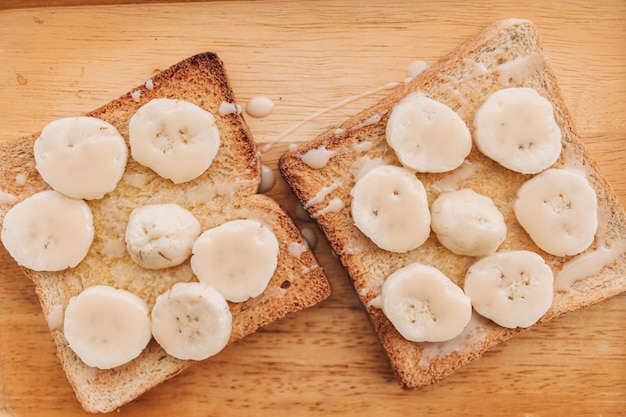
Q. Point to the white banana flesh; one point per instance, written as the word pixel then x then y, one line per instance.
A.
pixel 176 139
pixel 467 223
pixel 559 211
pixel 424 305
pixel 107 327
pixel 516 128
pixel 390 206
pixel 512 288
pixel 191 321
pixel 81 157
pixel 161 235
pixel 48 231
pixel 427 136
pixel 238 258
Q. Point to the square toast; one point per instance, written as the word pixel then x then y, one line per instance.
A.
pixel 508 53
pixel 226 191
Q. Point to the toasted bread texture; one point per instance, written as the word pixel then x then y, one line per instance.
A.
pixel 506 54
pixel 226 191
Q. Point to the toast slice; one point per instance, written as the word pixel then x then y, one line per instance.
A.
pixel 226 191
pixel 508 53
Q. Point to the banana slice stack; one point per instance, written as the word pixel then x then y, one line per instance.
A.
pixel 84 158
pixel 516 128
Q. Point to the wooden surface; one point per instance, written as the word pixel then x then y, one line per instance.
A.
pixel 62 61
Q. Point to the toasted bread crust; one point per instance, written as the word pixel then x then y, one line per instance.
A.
pixel 226 191
pixel 463 79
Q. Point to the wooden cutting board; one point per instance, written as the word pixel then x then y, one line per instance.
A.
pixel 306 56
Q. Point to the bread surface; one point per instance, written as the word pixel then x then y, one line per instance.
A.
pixel 226 191
pixel 462 80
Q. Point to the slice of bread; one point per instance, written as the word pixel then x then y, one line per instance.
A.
pixel 226 191
pixel 462 80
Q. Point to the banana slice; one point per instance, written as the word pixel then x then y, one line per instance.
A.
pixel 161 235
pixel 238 258
pixel 559 211
pixel 107 327
pixel 516 128
pixel 427 135
pixel 389 205
pixel 467 223
pixel 81 157
pixel 424 305
pixel 176 139
pixel 191 321
pixel 513 288
pixel 48 231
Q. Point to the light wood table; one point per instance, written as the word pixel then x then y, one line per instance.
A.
pixel 59 61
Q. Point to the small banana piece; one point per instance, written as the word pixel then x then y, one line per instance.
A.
pixel 424 305
pixel 467 223
pixel 512 288
pixel 427 136
pixel 390 206
pixel 516 128
pixel 191 321
pixel 107 327
pixel 238 258
pixel 81 157
pixel 161 235
pixel 48 231
pixel 176 139
pixel 559 211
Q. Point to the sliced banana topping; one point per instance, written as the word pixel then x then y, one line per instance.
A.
pixel 516 128
pixel 191 321
pixel 161 235
pixel 427 135
pixel 390 206
pixel 48 231
pixel 513 288
pixel 467 223
pixel 175 138
pixel 424 305
pixel 81 157
pixel 107 327
pixel 559 211
pixel 238 258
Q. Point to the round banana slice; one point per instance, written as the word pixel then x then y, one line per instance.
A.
pixel 238 258
pixel 427 136
pixel 176 139
pixel 107 327
pixel 161 235
pixel 559 211
pixel 48 231
pixel 513 288
pixel 191 321
pixel 516 128
pixel 467 223
pixel 424 305
pixel 390 206
pixel 81 157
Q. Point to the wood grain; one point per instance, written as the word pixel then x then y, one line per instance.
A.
pixel 61 61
